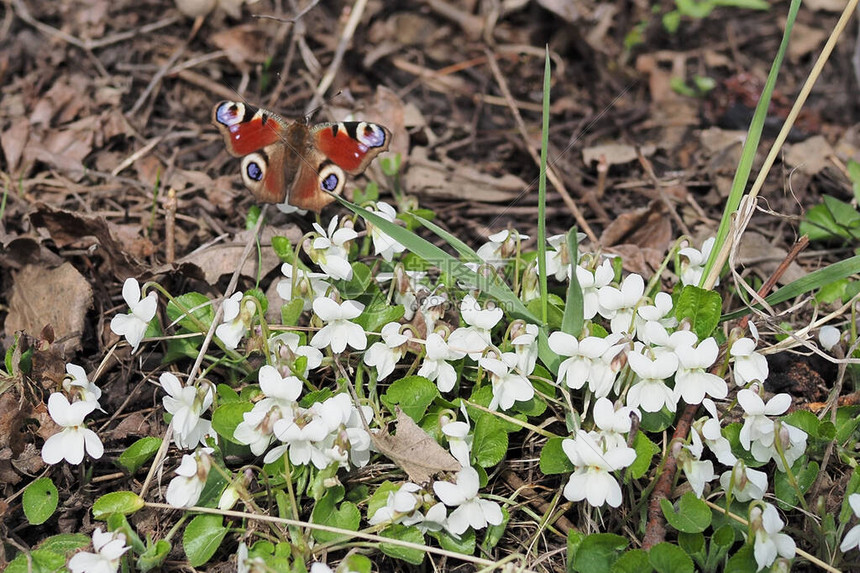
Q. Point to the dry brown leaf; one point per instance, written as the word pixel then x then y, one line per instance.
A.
pixel 223 258
pixel 13 141
pixel 811 155
pixel 615 153
pixel 70 228
pixel 58 297
pixel 243 44
pixel 414 450
pixel 427 178
pixel 648 227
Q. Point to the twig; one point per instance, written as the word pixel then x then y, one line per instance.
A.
pixel 345 38
pixel 219 312
pixel 550 172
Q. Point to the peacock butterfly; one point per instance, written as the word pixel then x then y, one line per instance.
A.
pixel 294 162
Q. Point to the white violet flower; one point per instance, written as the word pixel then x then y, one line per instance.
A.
pixel 76 382
pixel 330 252
pixel 385 354
pixel 184 490
pixel 650 392
pixel 234 324
pixel 187 404
pixel 852 538
pixel 592 480
pixel 749 365
pixel 470 510
pixel 383 244
pixel 769 542
pixel 509 384
pixel 339 331
pixel 435 366
pixel 109 548
pixel 75 438
pixel 618 304
pixel 134 324
pixel 308 285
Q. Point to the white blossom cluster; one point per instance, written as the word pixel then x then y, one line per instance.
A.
pixel 632 359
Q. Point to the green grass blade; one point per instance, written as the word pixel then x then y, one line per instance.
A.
pixel 504 296
pixel 742 175
pixel 465 250
pixel 812 281
pixel 573 318
pixel 541 223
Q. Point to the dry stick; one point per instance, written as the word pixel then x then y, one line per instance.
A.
pixel 345 38
pixel 170 226
pixel 550 172
pixel 219 312
pixel 655 531
pixel 345 532
pixel 162 71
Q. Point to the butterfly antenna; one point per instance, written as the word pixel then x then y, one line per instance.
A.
pixel 313 112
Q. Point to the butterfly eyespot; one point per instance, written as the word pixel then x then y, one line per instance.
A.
pixel 254 172
pixel 254 168
pixel 330 182
pixel 230 113
pixel 370 134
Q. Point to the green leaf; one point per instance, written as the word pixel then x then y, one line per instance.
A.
pixel 325 512
pixel 403 533
pixel 572 321
pixel 785 493
pixel 805 420
pixel 464 545
pixel 701 307
pixel 668 558
pixel 413 394
pixel 693 514
pixel 553 460
pixel 655 422
pixel 291 311
pixel 202 538
pixel 742 561
pixel 355 563
pixel 40 500
pixel 598 552
pixel 65 542
pixel 192 311
pixel 43 561
pixel 226 417
pixel 283 248
pixel 137 454
pixel 226 393
pixel 154 556
pixel 122 502
pixel 490 443
pixel 645 452
pixel 633 561
pixel 847 420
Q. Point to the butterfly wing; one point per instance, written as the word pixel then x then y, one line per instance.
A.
pixel 317 176
pixel 351 145
pixel 256 135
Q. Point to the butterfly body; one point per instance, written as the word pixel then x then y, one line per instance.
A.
pixel 294 162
